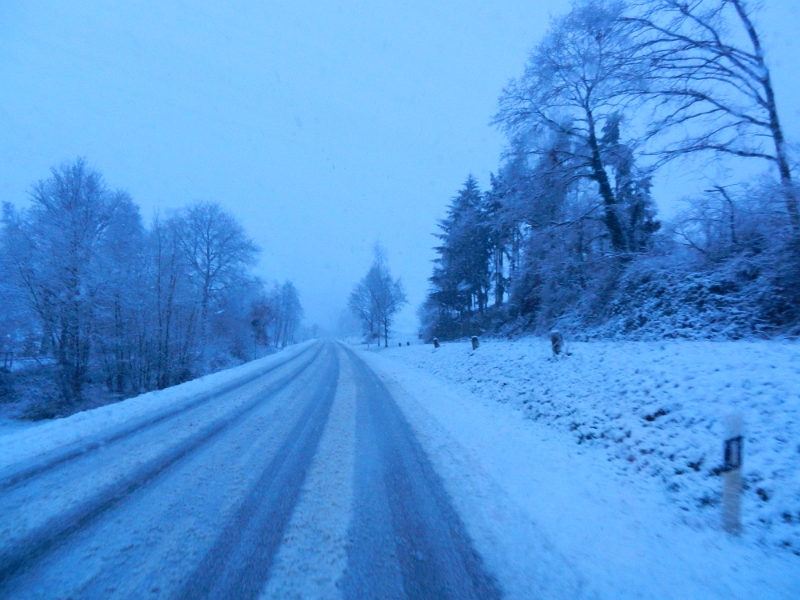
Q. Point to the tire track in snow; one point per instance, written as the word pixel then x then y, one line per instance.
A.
pixel 312 557
pixel 43 540
pixel 239 564
pixel 406 539
pixel 514 545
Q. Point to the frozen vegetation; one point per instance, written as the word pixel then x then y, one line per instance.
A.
pixel 568 232
pixel 97 306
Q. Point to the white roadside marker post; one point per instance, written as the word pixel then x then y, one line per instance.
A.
pixel 732 475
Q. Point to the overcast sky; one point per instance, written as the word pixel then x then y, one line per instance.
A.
pixel 321 125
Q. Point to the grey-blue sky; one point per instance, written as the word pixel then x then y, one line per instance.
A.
pixel 322 125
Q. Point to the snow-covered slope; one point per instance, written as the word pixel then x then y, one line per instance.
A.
pixel 655 412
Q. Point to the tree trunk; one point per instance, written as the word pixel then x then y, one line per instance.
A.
pixel 610 218
pixel 514 266
pixel 204 324
pixel 72 350
pixel 499 289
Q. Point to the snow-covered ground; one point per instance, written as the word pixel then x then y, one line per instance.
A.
pixel 565 473
pixel 13 425
pixel 609 455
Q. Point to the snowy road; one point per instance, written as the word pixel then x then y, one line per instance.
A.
pixel 300 479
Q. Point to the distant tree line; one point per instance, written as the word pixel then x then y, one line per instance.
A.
pixel 108 299
pixel 568 230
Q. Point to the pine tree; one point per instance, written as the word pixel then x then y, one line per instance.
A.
pixel 462 277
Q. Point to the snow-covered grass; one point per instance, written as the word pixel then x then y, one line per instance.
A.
pixel 655 412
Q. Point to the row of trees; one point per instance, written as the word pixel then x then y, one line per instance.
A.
pixel 613 93
pixel 277 315
pixel 86 283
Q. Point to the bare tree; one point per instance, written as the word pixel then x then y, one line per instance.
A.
pixel 16 317
pixel 575 84
pixel 174 306
pixel 122 309
pixel 362 307
pixel 708 76
pixel 378 297
pixel 56 247
pixel 287 313
pixel 216 250
pixel 726 221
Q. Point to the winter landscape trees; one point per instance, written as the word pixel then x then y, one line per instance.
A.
pixel 568 105
pixel 568 231
pixel 376 299
pixel 58 249
pixel 706 68
pixel 216 251
pixel 110 300
pixel 283 314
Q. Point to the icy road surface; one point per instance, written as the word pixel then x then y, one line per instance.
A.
pixel 298 477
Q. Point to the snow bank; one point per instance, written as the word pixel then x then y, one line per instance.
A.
pixel 12 425
pixel 25 443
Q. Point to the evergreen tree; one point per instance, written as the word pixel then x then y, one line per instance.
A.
pixel 462 277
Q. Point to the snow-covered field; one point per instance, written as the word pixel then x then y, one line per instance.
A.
pixel 655 413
